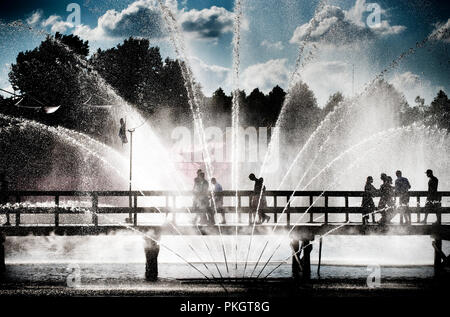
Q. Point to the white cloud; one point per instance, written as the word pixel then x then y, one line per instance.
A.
pixel 207 23
pixel 413 85
pixel 143 18
pixel 140 18
pixel 51 20
pixel 272 45
pixel 211 77
pixel 56 24
pixel 356 15
pixel 265 76
pixel 406 80
pixel 384 28
pixel 86 33
pixel 34 18
pixel 334 26
pixel 326 78
pixel 441 32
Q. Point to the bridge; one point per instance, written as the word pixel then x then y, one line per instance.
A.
pixel 303 215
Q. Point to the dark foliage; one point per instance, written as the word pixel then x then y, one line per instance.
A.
pixel 57 73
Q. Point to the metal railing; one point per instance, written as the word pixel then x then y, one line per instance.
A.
pixel 17 204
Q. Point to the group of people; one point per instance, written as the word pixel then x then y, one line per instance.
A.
pixel 206 200
pixel 388 192
pixel 210 200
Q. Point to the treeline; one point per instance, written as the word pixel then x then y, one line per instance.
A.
pixel 437 113
pixel 60 72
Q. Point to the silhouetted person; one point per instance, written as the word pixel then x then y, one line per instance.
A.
pixel 123 132
pixel 258 200
pixel 402 188
pixel 218 198
pixel 433 198
pixel 4 187
pixel 196 189
pixel 197 178
pixel 387 202
pixel 201 197
pixel 196 197
pixel 367 202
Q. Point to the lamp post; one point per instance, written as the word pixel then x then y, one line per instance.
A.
pixel 130 201
pixel 122 134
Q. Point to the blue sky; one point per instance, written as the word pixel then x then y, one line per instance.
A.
pixel 338 34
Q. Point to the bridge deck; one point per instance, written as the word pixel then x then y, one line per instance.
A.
pixel 34 214
pixel 442 231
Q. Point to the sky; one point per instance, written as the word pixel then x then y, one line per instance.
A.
pixel 340 37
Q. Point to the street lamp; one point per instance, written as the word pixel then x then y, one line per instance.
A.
pixel 130 201
pixel 122 135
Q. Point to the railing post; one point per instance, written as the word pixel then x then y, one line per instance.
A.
pixel 18 212
pixel 288 212
pixel 311 215
pixel 418 209
pixel 239 202
pixel 326 209
pixel 438 213
pixel 151 249
pixel 174 210
pixel 135 210
pixel 346 208
pixel 275 206
pixel 56 211
pixel 437 256
pixel 167 206
pixel 95 209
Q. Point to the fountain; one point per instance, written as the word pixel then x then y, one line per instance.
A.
pixel 361 136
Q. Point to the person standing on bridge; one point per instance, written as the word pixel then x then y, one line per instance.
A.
pixel 196 188
pixel 387 202
pixel 368 205
pixel 402 187
pixel 196 197
pixel 258 200
pixel 201 197
pixel 433 198
pixel 217 200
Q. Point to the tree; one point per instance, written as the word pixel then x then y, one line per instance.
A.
pixel 50 75
pixel 173 94
pixel 409 115
pixel 440 110
pixel 332 102
pixel 134 69
pixel 221 102
pixel 302 114
pixel 218 111
pixel 256 106
pixel 275 103
pixel 73 43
